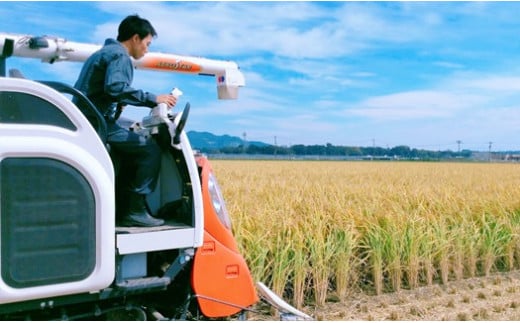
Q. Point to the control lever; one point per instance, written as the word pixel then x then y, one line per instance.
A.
pixel 181 124
pixel 160 113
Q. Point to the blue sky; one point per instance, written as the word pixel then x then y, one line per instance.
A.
pixel 422 74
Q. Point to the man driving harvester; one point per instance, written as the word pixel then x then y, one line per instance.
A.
pixel 106 79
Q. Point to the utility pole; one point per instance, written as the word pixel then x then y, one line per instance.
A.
pixel 373 148
pixel 275 145
pixel 244 142
pixel 458 144
pixel 489 156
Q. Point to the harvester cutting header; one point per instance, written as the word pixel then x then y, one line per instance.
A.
pixel 54 49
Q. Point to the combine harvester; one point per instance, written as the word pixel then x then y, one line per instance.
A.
pixel 62 256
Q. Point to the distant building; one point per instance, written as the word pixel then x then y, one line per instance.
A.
pixel 512 157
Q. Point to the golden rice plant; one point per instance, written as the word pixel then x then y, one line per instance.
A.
pixel 495 239
pixel 320 249
pixel 513 250
pixel 457 251
pixel 372 246
pixel 344 262
pixel 413 240
pixel 301 268
pixel 282 261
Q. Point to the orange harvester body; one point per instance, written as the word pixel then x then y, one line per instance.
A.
pixel 229 281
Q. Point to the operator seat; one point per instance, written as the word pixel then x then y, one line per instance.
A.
pixel 86 107
pixel 80 100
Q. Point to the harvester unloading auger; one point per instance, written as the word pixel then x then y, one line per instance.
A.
pixel 54 49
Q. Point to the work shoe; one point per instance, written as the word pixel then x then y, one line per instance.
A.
pixel 138 215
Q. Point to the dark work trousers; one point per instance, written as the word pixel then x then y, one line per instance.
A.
pixel 137 161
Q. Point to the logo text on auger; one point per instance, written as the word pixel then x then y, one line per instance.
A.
pixel 178 66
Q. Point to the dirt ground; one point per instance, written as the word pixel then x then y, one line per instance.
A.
pixel 493 298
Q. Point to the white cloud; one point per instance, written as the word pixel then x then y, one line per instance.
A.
pixel 415 105
pixel 449 65
pixel 290 29
pixel 495 83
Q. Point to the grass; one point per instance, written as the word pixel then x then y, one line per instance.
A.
pixel 312 229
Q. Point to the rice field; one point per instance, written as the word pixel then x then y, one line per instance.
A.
pixel 312 230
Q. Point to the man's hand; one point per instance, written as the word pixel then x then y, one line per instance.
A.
pixel 169 99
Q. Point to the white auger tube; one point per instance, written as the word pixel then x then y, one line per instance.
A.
pixel 54 49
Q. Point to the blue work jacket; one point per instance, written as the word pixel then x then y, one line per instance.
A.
pixel 106 79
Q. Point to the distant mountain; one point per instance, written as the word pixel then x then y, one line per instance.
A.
pixel 207 140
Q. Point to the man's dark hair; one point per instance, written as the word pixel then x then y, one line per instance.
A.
pixel 132 25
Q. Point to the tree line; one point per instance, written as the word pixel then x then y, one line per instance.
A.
pixel 402 152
